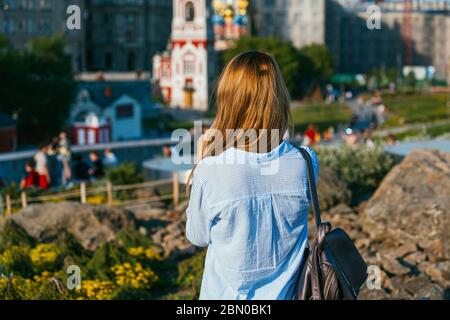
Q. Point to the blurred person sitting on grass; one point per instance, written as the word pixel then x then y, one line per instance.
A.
pixel 250 207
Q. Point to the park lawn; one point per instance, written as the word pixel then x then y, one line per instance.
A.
pixel 320 114
pixel 415 108
pixel 432 132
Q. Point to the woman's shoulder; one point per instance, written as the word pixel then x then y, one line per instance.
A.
pixel 311 152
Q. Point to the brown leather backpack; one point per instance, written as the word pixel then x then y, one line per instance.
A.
pixel 332 269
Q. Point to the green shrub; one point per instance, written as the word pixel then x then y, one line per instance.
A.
pixel 361 167
pixel 16 260
pixel 104 259
pixel 124 174
pixel 12 234
pixel 191 273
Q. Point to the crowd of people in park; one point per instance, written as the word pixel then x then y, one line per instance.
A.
pixel 313 136
pixel 54 165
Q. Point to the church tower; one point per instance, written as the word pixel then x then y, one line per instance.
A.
pixel 192 54
pixel 201 29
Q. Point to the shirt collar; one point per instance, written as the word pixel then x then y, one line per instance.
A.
pixel 276 153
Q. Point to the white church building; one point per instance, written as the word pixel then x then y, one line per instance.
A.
pixel 186 71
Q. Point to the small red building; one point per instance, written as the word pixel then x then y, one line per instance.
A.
pixel 8 133
pixel 92 131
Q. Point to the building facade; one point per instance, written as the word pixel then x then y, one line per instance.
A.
pixel 185 72
pixel 301 22
pixel 342 26
pixel 124 35
pixel 115 35
pixel 23 20
pixel 360 49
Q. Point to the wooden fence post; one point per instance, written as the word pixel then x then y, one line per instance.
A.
pixel 109 193
pixel 8 204
pixel 176 189
pixel 23 197
pixel 83 193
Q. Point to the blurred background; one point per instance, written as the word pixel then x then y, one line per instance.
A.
pixel 91 91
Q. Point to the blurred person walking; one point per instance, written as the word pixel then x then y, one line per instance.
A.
pixel 310 135
pixel 41 160
pixel 64 156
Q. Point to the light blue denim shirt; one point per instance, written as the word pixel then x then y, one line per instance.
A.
pixel 251 210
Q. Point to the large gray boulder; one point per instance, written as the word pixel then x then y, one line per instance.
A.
pixel 412 204
pixel 91 225
pixel 331 189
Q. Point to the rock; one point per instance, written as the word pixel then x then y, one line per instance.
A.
pixel 430 292
pixel 372 294
pixel 91 225
pixel 147 213
pixel 341 209
pixel 405 249
pixel 413 204
pixel 415 283
pixel 415 258
pixel 438 272
pixel 393 266
pixel 331 189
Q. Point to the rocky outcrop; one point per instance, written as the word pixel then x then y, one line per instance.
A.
pixel 91 225
pixel 412 204
pixel 403 229
pixel 331 189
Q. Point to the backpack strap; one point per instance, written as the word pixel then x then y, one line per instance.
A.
pixel 312 186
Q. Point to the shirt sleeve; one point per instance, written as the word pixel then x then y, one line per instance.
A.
pixel 198 224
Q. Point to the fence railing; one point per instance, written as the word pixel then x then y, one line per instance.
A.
pixel 83 192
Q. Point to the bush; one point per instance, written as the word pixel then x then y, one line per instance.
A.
pixel 127 268
pixel 191 274
pixel 361 167
pixel 125 173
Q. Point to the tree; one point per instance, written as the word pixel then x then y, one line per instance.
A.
pixel 301 68
pixel 37 87
pixel 322 67
pixel 411 80
pixel 4 43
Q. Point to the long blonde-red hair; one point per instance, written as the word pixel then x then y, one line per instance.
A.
pixel 250 94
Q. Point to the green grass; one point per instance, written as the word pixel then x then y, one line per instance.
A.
pixel 320 114
pixel 432 132
pixel 415 108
